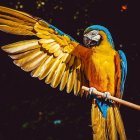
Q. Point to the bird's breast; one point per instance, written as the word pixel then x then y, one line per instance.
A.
pixel 100 70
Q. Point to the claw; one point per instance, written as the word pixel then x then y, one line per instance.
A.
pixel 106 95
pixel 92 90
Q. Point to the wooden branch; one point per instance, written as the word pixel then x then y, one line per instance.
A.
pixel 123 102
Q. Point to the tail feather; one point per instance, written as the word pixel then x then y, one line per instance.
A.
pixel 110 128
pixel 119 124
pixel 98 123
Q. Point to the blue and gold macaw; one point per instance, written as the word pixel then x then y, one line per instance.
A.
pixel 60 60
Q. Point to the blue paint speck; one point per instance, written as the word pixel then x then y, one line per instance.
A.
pixel 57 122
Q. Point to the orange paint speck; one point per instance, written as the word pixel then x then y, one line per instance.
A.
pixel 124 8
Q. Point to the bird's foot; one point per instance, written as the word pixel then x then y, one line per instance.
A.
pixel 106 96
pixel 92 90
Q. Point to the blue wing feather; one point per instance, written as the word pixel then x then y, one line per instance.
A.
pixel 60 32
pixel 123 68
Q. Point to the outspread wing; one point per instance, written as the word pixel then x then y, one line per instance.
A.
pixel 55 56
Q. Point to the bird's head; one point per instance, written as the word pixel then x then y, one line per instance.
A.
pixel 95 34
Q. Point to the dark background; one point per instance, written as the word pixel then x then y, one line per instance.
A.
pixel 31 110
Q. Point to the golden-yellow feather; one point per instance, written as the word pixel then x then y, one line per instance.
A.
pixel 119 123
pixel 111 126
pixel 64 79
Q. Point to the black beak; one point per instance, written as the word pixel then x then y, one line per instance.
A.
pixel 89 43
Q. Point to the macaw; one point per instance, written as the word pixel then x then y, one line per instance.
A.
pixel 61 60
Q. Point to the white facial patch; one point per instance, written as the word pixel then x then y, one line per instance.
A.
pixel 94 32
pixel 96 38
pixel 93 35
